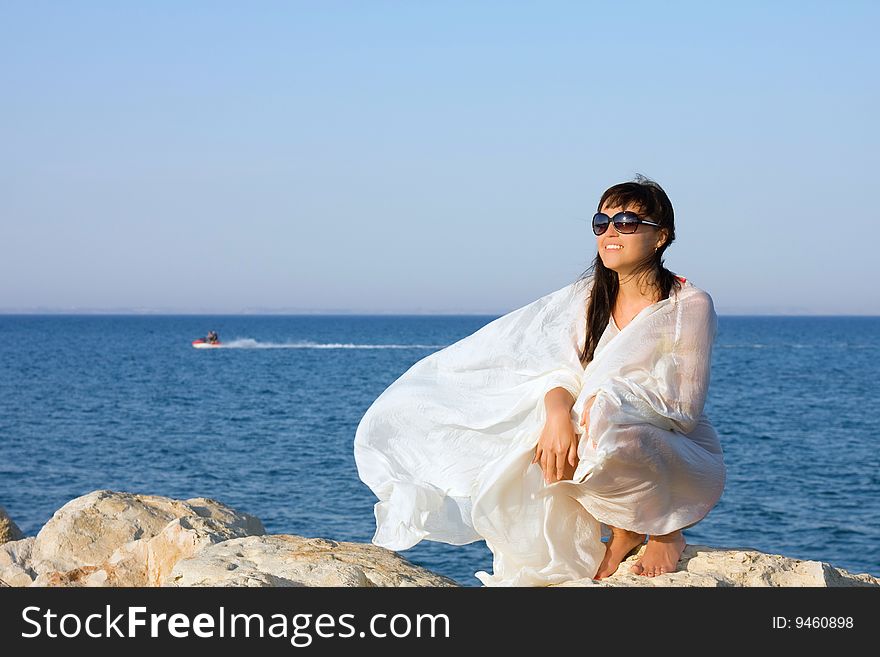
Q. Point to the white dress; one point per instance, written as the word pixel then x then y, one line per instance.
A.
pixel 447 447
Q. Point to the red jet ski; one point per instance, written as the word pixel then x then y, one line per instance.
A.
pixel 202 343
pixel 207 343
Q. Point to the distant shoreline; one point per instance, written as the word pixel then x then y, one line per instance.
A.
pixel 337 313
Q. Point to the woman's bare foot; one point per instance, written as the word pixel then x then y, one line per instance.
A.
pixel 617 549
pixel 661 555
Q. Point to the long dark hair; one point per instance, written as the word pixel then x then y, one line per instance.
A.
pixel 653 202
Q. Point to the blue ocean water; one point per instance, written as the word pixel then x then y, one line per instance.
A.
pixel 266 423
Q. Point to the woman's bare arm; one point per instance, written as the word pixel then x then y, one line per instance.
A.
pixel 558 441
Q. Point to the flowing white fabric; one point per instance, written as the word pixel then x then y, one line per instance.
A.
pixel 447 447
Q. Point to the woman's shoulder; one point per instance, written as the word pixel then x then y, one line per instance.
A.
pixel 694 297
pixel 687 285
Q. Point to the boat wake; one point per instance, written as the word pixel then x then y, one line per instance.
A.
pixel 248 343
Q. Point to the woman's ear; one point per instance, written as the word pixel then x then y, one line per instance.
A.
pixel 663 235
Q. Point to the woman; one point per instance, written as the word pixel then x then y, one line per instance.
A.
pixel 580 410
pixel 630 279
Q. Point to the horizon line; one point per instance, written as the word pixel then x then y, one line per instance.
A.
pixel 350 312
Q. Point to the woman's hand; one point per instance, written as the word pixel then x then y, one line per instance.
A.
pixel 557 446
pixel 585 418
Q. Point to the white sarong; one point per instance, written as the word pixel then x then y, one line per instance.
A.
pixel 447 447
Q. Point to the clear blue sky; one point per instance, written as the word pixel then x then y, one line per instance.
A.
pixel 430 156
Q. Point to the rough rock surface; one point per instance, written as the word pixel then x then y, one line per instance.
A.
pixel 15 557
pixel 701 565
pixel 9 531
pixel 108 538
pixel 288 560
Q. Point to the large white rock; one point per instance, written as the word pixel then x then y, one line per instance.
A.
pixel 288 560
pixel 706 566
pixel 108 538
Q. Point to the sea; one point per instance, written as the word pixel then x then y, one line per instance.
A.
pixel 265 424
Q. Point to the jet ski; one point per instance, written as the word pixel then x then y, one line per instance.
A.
pixel 202 343
pixel 213 340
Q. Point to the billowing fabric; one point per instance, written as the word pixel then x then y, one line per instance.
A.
pixel 447 447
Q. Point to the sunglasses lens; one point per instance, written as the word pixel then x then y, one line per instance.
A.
pixel 626 222
pixel 600 223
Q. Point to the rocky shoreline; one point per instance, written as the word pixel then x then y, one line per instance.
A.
pixel 110 538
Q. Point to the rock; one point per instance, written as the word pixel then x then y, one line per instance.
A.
pixel 9 531
pixel 15 560
pixel 706 566
pixel 108 538
pixel 288 560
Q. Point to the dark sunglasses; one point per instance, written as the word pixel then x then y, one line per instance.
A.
pixel 624 222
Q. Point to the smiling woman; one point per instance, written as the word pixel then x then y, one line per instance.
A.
pixel 485 439
pixel 634 225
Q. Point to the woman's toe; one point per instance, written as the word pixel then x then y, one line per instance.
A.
pixel 636 568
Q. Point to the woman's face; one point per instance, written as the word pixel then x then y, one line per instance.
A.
pixel 632 247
